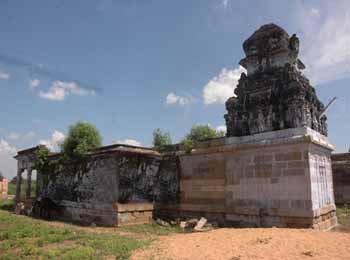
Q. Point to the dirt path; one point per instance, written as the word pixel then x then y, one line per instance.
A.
pixel 244 244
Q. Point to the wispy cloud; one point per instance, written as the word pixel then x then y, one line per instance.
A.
pixel 39 69
pixel 221 87
pixel 174 99
pixel 4 75
pixel 59 90
pixel 7 162
pixel 225 3
pixel 34 83
pixel 14 136
pixel 325 48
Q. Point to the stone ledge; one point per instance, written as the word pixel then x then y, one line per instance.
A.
pixel 280 212
pixel 134 206
pixel 273 138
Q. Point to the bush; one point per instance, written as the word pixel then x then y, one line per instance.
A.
pixel 199 133
pixel 82 137
pixel 161 140
pixel 42 159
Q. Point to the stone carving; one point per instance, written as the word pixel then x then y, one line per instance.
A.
pixel 274 94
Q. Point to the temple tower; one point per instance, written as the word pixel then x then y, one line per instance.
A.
pixel 274 94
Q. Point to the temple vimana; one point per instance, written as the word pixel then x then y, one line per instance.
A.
pixel 273 168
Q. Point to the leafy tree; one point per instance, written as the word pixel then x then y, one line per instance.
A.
pixel 199 133
pixel 160 140
pixel 82 137
pixel 42 162
pixel 1 176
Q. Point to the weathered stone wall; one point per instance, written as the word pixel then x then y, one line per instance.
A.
pixel 3 189
pixel 341 177
pixel 105 183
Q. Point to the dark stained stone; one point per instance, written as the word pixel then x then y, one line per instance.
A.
pixel 274 94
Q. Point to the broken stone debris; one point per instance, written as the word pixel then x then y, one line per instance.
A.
pixel 200 224
pixel 162 222
pixel 192 224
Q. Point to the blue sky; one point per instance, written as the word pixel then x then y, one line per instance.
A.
pixel 131 66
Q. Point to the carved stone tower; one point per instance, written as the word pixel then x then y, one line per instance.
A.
pixel 274 94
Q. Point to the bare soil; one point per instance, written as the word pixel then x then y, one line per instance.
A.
pixel 243 244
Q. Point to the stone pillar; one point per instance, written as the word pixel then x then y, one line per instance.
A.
pixel 38 183
pixel 18 184
pixel 29 183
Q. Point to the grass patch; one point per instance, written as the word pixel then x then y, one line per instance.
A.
pixel 7 205
pixel 26 238
pixel 343 214
pixel 12 188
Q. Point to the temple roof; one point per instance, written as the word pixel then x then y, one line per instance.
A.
pixel 269 37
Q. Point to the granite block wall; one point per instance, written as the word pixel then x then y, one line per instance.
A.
pixel 281 178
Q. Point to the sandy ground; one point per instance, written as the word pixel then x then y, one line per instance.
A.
pixel 242 244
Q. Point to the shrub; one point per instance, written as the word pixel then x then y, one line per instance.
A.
pixel 199 133
pixel 82 137
pixel 161 140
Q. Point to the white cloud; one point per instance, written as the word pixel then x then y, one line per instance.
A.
pixel 325 45
pixel 221 128
pixel 6 147
pixel 7 163
pixel 221 87
pixel 29 135
pixel 225 3
pixel 56 139
pixel 60 89
pixel 34 83
pixel 4 75
pixel 128 142
pixel 315 12
pixel 173 99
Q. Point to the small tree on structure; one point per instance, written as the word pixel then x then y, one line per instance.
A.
pixel 2 177
pixel 199 133
pixel 82 137
pixel 161 140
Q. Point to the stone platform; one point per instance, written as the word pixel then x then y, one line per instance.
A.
pixel 115 214
pixel 280 178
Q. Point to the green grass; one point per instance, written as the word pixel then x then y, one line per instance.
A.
pixel 343 214
pixel 26 238
pixel 12 188
pixel 7 204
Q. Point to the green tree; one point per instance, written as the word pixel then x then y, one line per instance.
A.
pixel 160 140
pixel 42 162
pixel 199 133
pixel 82 137
pixel 1 176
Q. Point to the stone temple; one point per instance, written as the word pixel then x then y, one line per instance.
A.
pixel 274 94
pixel 272 169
